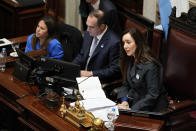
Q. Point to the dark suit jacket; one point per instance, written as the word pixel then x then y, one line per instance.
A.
pixel 104 61
pixel 112 18
pixel 143 88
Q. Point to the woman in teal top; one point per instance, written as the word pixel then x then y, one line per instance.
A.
pixel 44 38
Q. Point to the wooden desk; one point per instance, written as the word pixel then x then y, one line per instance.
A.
pixel 127 123
pixel 36 53
pixel 17 20
pixel 18 96
pixel 20 39
pixel 34 107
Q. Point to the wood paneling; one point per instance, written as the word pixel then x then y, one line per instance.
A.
pixel 132 5
pixel 16 20
pixel 56 8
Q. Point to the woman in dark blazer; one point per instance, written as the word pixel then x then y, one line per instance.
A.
pixel 142 89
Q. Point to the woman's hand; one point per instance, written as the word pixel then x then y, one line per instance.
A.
pixel 124 105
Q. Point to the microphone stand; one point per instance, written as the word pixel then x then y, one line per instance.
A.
pixel 73 97
pixel 61 81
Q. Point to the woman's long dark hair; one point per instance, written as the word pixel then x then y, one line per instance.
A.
pixel 51 25
pixel 142 53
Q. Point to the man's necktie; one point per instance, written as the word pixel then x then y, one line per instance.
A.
pixel 92 49
pixel 93 46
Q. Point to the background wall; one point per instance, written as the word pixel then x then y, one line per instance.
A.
pixel 149 9
pixel 72 16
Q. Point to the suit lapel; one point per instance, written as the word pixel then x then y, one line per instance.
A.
pixel 101 44
pixel 132 71
pixel 137 70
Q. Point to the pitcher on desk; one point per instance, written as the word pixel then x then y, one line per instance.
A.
pixel 142 89
pixel 44 38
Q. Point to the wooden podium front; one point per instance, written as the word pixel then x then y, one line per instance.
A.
pixel 17 20
pixel 134 123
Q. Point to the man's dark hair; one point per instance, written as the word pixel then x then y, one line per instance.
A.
pixel 100 15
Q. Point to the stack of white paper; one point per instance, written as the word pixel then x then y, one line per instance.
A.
pixel 95 100
pixel 97 103
pixel 99 107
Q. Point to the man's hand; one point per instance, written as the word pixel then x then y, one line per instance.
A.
pixel 86 73
pixel 124 105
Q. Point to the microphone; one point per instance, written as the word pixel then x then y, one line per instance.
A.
pixel 63 83
pixel 61 80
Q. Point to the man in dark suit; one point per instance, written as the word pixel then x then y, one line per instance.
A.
pixel 103 61
pixel 109 9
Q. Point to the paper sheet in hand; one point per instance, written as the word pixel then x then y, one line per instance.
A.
pixel 90 87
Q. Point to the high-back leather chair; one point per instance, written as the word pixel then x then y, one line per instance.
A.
pixel 152 36
pixel 71 40
pixel 180 70
pixel 143 24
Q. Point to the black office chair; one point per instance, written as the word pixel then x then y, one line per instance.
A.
pixel 71 40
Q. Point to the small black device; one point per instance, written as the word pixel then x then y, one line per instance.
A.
pixel 55 74
pixel 24 66
pixel 60 68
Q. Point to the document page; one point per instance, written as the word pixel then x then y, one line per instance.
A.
pixel 90 87
pixel 5 42
pixel 15 1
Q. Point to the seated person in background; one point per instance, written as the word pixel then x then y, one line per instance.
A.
pixel 100 50
pixel 142 89
pixel 44 38
pixel 112 18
